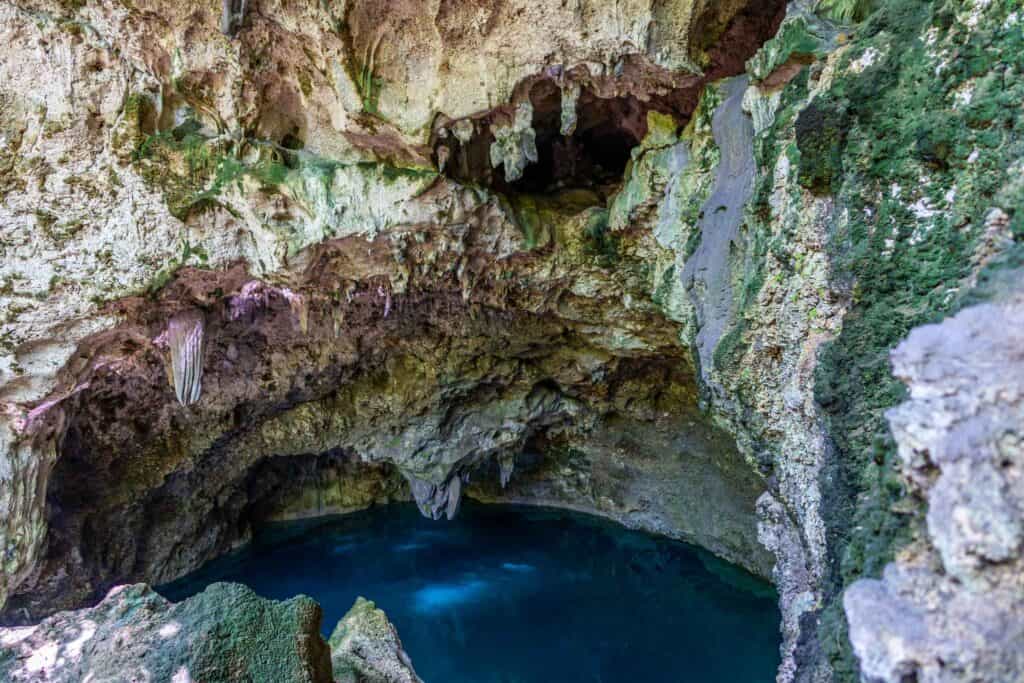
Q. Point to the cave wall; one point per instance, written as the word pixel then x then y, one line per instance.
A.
pixel 315 201
pixel 892 142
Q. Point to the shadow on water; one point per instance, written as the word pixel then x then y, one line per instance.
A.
pixel 507 594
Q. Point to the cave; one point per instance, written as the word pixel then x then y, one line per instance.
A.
pixel 470 596
pixel 590 154
pixel 141 494
pixel 668 340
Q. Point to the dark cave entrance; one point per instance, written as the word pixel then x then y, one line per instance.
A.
pixel 591 157
pixel 611 113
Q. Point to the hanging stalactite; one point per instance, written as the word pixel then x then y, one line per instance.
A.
pixel 185 338
pixel 231 16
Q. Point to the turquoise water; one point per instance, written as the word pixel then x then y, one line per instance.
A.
pixel 507 594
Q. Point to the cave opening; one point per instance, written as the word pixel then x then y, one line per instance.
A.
pixel 583 127
pixel 582 142
pixel 593 155
pixel 525 591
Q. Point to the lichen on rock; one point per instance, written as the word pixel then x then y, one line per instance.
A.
pixel 365 648
pixel 225 633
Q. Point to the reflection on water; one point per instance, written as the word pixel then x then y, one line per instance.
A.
pixel 508 594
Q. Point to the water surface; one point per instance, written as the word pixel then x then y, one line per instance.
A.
pixel 510 594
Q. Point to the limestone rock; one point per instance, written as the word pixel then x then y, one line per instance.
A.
pixel 225 633
pixel 365 648
pixel 515 145
pixel 185 339
pixel 952 607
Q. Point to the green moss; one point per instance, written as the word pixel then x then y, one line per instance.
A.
pixel 527 216
pixel 601 243
pixel 820 131
pixel 193 171
pixel 662 130
pixel 914 171
pixel 391 173
pixel 800 38
pixel 846 10
pixel 904 143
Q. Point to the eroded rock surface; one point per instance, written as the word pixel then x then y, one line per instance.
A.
pixel 225 633
pixel 259 262
pixel 365 648
pixel 245 204
pixel 951 608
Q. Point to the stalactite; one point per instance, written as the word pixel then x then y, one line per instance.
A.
pixel 454 497
pixel 506 466
pixel 515 145
pixel 185 338
pixel 231 16
pixel 434 500
pixel 300 308
pixel 570 96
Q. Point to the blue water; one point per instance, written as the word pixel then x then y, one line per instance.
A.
pixel 507 594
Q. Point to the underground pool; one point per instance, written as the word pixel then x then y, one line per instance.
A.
pixel 508 594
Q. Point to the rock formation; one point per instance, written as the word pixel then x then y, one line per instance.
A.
pixel 225 633
pixel 951 607
pixel 365 648
pixel 643 258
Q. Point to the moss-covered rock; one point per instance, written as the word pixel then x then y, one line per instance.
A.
pixel 365 648
pixel 225 633
pixel 819 138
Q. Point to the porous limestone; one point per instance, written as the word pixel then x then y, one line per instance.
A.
pixel 225 633
pixel 256 262
pixel 950 607
pixel 365 648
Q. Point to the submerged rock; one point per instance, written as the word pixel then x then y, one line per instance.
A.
pixel 225 633
pixel 365 648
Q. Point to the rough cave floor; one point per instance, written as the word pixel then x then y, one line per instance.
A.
pixel 513 593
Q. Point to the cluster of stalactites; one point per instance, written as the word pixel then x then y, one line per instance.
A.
pixel 185 338
pixel 435 500
pixel 515 146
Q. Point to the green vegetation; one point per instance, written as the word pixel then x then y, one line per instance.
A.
pixel 601 243
pixel 193 170
pixel 369 86
pixel 820 134
pixel 918 176
pixel 917 144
